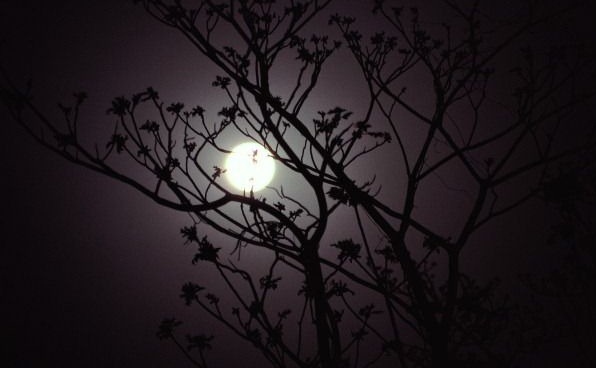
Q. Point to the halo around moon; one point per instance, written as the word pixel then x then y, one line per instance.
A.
pixel 249 167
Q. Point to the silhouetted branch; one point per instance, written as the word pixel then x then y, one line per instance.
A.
pixel 421 308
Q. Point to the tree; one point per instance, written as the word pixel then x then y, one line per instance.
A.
pixel 392 291
pixel 567 287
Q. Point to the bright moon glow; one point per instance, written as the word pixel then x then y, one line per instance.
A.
pixel 249 166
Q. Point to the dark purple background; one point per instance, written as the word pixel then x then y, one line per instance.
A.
pixel 89 267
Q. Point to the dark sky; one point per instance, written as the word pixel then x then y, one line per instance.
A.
pixel 85 280
pixel 89 266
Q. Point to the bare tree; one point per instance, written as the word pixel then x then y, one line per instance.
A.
pixel 449 108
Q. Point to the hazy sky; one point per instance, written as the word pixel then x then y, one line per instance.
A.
pixel 86 279
pixel 89 267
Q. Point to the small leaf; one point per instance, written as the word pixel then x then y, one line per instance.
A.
pixel 190 292
pixel 349 250
pixel 268 282
pixel 175 108
pixel 339 195
pixel 190 234
pixel 217 171
pixel 119 141
pixel 150 126
pixel 200 342
pixel 207 252
pixel 120 106
pixel 167 327
pixel 222 82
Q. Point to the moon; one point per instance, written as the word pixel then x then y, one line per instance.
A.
pixel 249 167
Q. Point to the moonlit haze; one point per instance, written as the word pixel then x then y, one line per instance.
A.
pixel 249 167
pixel 93 264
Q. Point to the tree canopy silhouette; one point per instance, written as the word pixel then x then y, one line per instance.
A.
pixel 451 128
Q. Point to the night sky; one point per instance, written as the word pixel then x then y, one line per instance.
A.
pixel 85 279
pixel 89 267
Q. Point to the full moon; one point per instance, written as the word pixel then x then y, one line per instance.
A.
pixel 249 167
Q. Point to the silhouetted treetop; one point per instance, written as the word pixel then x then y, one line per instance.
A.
pixel 457 118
